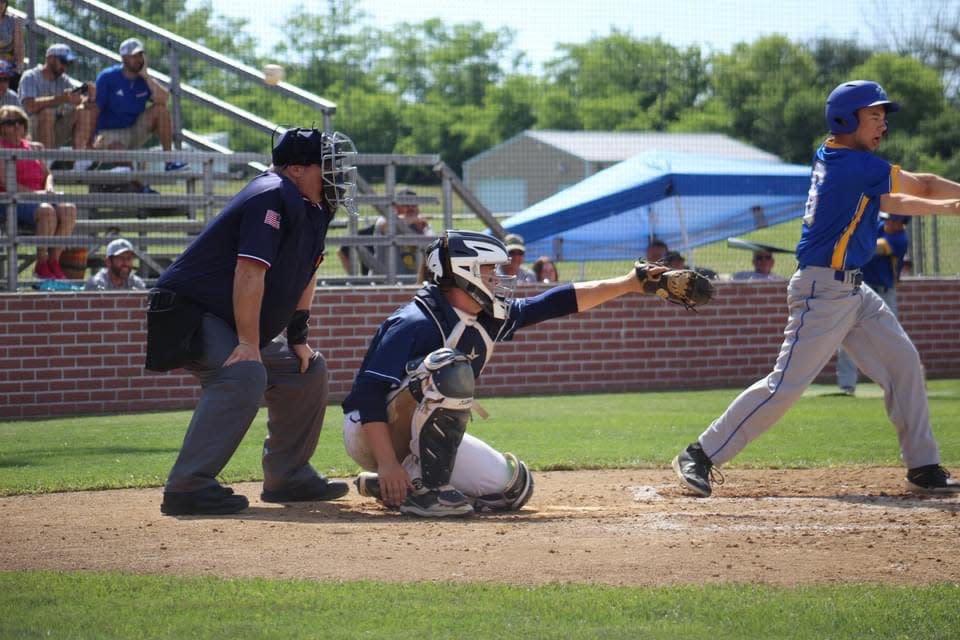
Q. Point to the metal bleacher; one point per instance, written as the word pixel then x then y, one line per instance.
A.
pixel 161 224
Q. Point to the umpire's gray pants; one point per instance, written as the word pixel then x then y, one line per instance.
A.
pixel 296 403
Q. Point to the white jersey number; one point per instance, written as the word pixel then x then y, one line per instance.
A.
pixel 816 179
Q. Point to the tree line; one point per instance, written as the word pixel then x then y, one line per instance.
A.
pixel 459 89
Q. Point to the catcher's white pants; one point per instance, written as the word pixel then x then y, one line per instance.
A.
pixel 478 471
pixel 824 314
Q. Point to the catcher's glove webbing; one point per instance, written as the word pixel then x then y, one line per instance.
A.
pixel 678 286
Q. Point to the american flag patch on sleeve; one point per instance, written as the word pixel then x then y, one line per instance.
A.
pixel 272 218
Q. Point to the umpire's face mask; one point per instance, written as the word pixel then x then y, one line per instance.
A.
pixel 339 172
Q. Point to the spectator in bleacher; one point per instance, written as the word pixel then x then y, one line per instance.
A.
pixel 33 176
pixel 762 268
pixel 545 270
pixel 656 250
pixel 118 274
pixel 409 222
pixel 516 251
pixel 11 43
pixel 62 109
pixel 7 95
pixel 123 90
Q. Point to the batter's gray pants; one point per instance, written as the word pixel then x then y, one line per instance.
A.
pixel 847 372
pixel 824 314
pixel 296 403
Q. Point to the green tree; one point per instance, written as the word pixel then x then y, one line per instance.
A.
pixel 770 88
pixel 623 82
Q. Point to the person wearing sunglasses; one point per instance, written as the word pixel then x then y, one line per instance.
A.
pixel 33 176
pixel 62 110
pixel 762 268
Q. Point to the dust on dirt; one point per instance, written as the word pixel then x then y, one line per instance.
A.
pixel 616 527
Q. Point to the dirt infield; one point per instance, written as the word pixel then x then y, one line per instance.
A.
pixel 604 527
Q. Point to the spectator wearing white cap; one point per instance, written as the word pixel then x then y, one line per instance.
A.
pixel 61 109
pixel 516 250
pixel 118 274
pixel 7 95
pixel 123 91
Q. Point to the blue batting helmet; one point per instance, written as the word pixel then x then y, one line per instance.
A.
pixel 843 102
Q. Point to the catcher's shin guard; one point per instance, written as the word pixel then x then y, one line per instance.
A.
pixel 517 492
pixel 443 384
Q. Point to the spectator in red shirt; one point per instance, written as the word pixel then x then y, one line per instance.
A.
pixel 33 176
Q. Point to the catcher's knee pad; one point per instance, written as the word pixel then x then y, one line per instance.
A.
pixel 517 492
pixel 442 383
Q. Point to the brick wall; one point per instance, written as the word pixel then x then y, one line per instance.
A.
pixel 81 353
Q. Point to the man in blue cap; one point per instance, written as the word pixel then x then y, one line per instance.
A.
pixel 882 274
pixel 219 311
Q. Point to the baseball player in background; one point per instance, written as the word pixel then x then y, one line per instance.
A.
pixel 882 274
pixel 828 307
pixel 220 311
pixel 407 413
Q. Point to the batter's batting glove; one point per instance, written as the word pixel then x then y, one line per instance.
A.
pixel 678 286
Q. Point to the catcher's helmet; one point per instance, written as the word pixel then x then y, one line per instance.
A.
pixel 847 98
pixel 455 258
pixel 334 152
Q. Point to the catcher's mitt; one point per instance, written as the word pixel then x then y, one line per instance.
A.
pixel 678 286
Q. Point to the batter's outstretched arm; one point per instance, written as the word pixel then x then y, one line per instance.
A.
pixel 909 205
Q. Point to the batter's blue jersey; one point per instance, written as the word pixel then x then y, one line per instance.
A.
pixel 840 222
pixel 431 322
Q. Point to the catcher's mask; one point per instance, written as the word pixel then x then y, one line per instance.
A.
pixel 334 152
pixel 455 259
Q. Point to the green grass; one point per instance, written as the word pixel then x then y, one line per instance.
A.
pixel 122 606
pixel 559 432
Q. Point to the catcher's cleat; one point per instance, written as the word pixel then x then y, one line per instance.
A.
pixel 215 500
pixel 931 478
pixel 316 489
pixel 368 485
pixel 437 503
pixel 695 470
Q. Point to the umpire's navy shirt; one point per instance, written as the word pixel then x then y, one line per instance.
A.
pixel 270 222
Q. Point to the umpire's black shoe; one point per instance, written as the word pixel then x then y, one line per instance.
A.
pixel 314 490
pixel 695 470
pixel 215 500
pixel 931 478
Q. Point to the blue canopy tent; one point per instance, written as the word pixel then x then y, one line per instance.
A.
pixel 686 200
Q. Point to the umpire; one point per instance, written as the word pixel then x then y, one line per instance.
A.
pixel 219 312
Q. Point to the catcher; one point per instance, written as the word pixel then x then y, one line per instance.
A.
pixel 407 413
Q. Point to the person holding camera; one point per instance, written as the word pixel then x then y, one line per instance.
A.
pixel 123 90
pixel 62 110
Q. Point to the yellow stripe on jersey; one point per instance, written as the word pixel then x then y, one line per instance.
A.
pixel 895 178
pixel 840 249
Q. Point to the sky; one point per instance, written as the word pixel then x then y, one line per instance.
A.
pixel 541 24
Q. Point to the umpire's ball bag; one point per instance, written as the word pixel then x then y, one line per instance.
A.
pixel 172 323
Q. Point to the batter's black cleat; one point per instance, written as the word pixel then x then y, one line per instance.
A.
pixel 695 470
pixel 316 489
pixel 445 502
pixel 931 478
pixel 215 500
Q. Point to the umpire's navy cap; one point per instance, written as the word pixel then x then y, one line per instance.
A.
pixel 299 146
